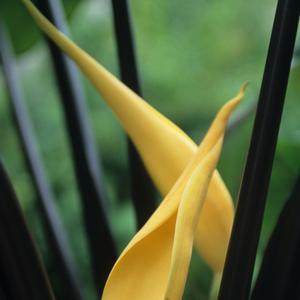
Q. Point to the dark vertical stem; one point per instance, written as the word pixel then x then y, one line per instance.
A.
pixel 240 259
pixel 86 163
pixel 5 293
pixel 22 272
pixel 278 277
pixel 55 232
pixel 141 184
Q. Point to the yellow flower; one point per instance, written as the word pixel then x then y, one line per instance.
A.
pixel 168 154
pixel 154 265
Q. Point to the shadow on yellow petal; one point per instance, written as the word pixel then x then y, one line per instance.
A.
pixel 165 149
pixel 155 263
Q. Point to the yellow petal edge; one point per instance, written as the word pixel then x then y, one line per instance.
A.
pixel 164 148
pixel 154 265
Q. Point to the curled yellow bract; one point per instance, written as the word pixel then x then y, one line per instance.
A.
pixel 184 173
pixel 154 265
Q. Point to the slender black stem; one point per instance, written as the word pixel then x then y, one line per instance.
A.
pixel 3 291
pixel 278 277
pixel 240 259
pixel 22 272
pixel 141 185
pixel 3 294
pixel 244 115
pixel 86 162
pixel 55 232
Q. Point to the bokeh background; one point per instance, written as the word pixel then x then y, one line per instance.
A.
pixel 193 56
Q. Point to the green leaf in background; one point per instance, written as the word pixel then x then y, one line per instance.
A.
pixel 21 28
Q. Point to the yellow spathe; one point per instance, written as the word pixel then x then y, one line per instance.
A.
pixel 164 148
pixel 154 265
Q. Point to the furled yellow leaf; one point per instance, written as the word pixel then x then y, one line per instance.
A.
pixel 155 263
pixel 164 148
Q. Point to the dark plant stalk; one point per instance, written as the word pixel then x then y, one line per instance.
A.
pixel 278 277
pixel 55 232
pixel 142 188
pixel 86 163
pixel 3 294
pixel 22 273
pixel 241 254
pixel 244 115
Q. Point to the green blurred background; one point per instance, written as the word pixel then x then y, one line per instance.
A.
pixel 193 56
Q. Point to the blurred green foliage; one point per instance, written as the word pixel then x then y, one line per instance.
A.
pixel 193 56
pixel 13 14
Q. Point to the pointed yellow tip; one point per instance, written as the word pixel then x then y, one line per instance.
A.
pixel 231 104
pixel 244 87
pixel 27 3
pixel 236 100
pixel 31 8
